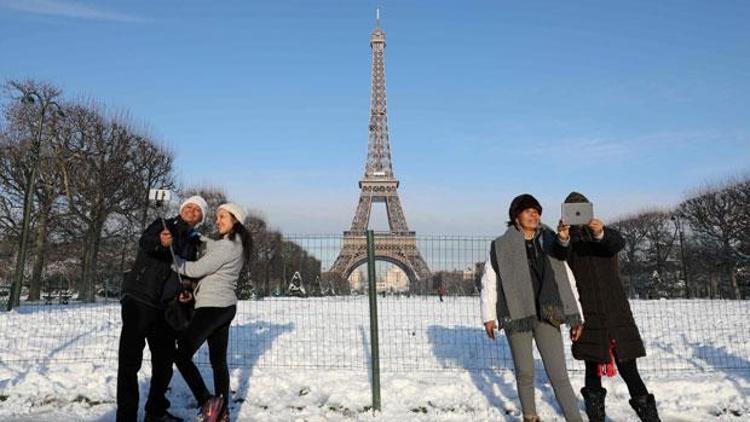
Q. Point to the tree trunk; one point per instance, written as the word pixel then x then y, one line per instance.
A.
pixel 88 273
pixel 713 285
pixel 628 285
pixel 735 285
pixel 84 284
pixel 40 246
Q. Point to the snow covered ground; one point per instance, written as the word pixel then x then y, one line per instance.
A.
pixel 308 359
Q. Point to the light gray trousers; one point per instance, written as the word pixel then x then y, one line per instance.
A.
pixel 549 343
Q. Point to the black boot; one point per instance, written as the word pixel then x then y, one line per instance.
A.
pixel 594 399
pixel 645 408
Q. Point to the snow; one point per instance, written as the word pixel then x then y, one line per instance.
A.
pixel 308 359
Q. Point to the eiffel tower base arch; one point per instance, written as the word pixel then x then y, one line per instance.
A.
pixel 399 249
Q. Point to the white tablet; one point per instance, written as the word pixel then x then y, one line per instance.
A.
pixel 578 214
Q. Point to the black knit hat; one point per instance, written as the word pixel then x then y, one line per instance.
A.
pixel 523 202
pixel 576 198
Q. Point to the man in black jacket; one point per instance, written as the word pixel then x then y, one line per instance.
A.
pixel 146 290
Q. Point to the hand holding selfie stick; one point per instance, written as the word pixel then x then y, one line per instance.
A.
pixel 159 197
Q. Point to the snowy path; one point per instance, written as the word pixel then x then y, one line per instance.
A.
pixel 307 359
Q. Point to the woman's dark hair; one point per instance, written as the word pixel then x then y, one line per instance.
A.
pixel 247 241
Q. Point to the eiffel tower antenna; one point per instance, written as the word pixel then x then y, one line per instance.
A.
pixel 379 184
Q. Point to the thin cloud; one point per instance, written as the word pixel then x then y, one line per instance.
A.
pixel 699 138
pixel 592 148
pixel 603 147
pixel 67 9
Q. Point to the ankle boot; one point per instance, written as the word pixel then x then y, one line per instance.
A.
pixel 594 400
pixel 645 408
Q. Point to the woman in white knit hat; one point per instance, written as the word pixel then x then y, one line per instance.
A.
pixel 215 307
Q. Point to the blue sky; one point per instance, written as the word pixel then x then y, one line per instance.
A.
pixel 633 103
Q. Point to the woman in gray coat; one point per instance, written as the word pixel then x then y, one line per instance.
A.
pixel 526 291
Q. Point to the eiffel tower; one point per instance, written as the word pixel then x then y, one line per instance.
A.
pixel 398 245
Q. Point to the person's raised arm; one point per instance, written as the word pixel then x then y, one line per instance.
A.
pixel 150 240
pixel 218 255
pixel 559 247
pixel 607 238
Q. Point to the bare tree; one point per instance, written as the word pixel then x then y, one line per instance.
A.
pixel 13 170
pixel 93 173
pixel 11 206
pixel 742 192
pixel 100 180
pixel 648 256
pixel 717 218
pixel 633 231
pixel 155 164
pixel 28 133
pixel 48 191
pixel 266 258
pixel 660 239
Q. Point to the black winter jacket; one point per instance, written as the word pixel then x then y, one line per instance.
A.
pixel 151 281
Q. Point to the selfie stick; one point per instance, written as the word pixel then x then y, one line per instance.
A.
pixel 160 196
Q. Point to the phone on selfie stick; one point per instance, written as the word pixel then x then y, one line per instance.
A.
pixel 159 197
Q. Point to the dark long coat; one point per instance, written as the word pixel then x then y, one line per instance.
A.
pixel 605 306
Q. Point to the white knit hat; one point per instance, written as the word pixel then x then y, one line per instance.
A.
pixel 200 202
pixel 236 210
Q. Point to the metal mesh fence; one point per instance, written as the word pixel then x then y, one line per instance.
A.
pixel 305 321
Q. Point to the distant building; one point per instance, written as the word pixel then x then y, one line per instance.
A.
pixel 469 274
pixel 357 280
pixel 395 280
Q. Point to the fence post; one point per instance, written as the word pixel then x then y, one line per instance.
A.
pixel 374 340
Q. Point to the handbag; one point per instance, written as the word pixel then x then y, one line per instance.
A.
pixel 179 314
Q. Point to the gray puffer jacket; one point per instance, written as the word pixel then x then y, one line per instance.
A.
pixel 218 270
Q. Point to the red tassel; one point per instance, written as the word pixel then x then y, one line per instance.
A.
pixel 609 369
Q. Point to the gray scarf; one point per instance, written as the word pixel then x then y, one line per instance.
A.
pixel 516 303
